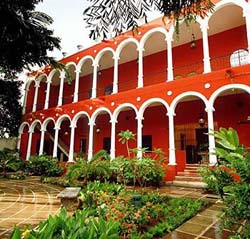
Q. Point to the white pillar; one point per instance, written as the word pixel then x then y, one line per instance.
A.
pixel 46 105
pixel 246 14
pixel 206 58
pixel 112 146
pixel 211 140
pixel 19 144
pixel 94 84
pixel 169 40
pixel 26 91
pixel 60 97
pixel 115 80
pixel 31 131
pixel 140 67
pixel 42 141
pixel 56 141
pixel 77 71
pixel 37 85
pixel 72 142
pixel 172 157
pixel 139 136
pixel 91 132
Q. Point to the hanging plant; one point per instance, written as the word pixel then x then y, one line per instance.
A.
pixel 110 18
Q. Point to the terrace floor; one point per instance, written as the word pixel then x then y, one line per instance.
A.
pixel 27 202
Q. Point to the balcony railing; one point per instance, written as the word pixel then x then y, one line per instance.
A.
pixel 184 71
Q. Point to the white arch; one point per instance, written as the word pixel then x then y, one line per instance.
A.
pixel 51 74
pixel 227 87
pixel 101 53
pixel 151 32
pixel 34 123
pixel 83 60
pixel 46 121
pixel 60 120
pixel 149 102
pixel 40 77
pixel 22 126
pixel 185 94
pixel 124 43
pixel 120 107
pixel 71 63
pixel 78 115
pixel 98 111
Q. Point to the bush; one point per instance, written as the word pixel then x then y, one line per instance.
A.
pixel 44 166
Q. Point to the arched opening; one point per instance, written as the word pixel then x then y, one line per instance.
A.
pixel 49 136
pixel 24 133
pixel 227 33
pixel 30 96
pixel 191 128
pixel 54 89
pixel 128 67
pixel 155 59
pixel 187 50
pixel 41 93
pixel 105 74
pixel 232 110
pixel 85 79
pixel 69 86
pixel 36 136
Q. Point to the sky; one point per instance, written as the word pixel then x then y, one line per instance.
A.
pixel 68 23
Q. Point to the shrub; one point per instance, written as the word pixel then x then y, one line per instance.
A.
pixel 44 166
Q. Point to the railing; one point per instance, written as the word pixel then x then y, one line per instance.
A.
pixel 184 71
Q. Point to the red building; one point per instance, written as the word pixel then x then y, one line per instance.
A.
pixel 167 89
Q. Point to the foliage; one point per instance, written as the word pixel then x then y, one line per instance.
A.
pixel 10 108
pixel 44 165
pixel 125 137
pixel 82 225
pixel 9 161
pixel 107 17
pixel 96 168
pixel 25 37
pixel 235 158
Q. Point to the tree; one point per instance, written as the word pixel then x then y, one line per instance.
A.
pixel 104 17
pixel 24 37
pixel 10 108
pixel 125 137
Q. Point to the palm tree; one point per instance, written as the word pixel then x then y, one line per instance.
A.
pixel 125 137
pixel 104 17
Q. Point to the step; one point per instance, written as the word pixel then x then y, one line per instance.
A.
pixel 189 178
pixel 188 173
pixel 190 184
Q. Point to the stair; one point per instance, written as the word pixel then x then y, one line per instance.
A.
pixel 190 177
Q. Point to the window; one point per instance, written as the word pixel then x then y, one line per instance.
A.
pixel 147 142
pixel 239 57
pixel 108 90
pixel 106 144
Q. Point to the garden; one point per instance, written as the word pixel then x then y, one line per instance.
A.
pixel 113 202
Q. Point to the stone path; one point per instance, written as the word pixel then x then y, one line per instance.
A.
pixel 27 202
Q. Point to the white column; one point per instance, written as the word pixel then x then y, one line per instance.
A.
pixel 77 71
pixel 18 146
pixel 139 136
pixel 42 141
pixel 37 85
pixel 26 91
pixel 56 141
pixel 172 157
pixel 140 67
pixel 211 140
pixel 246 14
pixel 206 58
pixel 112 146
pixel 94 84
pixel 72 142
pixel 91 132
pixel 46 105
pixel 31 131
pixel 60 97
pixel 115 80
pixel 169 40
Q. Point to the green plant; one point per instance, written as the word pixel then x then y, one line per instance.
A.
pixel 44 165
pixel 125 137
pixel 9 161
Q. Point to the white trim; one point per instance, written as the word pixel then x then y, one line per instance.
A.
pixel 45 123
pixel 124 43
pixel 22 126
pixel 83 60
pixel 102 52
pixel 61 119
pixel 96 113
pixel 34 123
pixel 122 106
pixel 78 116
